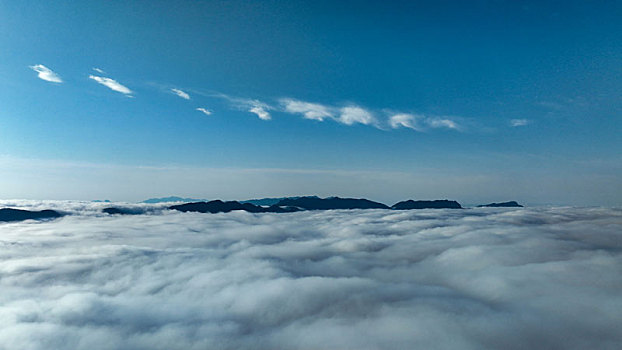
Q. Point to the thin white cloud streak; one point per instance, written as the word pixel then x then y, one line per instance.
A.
pixel 405 120
pixel 111 84
pixel 44 73
pixel 99 70
pixel 257 107
pixel 441 123
pixel 204 111
pixel 181 94
pixel 421 123
pixel 518 122
pixel 488 278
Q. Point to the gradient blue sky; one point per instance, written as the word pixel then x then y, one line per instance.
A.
pixel 475 101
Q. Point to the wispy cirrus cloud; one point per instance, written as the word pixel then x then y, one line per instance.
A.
pixel 354 114
pixel 347 115
pixel 257 107
pixel 421 123
pixel 204 111
pixel 181 94
pixel 309 110
pixel 518 122
pixel 260 111
pixel 112 84
pixel 405 120
pixel 437 122
pixel 45 73
pixel 98 70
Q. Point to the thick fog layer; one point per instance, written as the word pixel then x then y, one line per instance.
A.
pixel 363 279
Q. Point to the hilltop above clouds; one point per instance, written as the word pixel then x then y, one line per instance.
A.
pixel 271 205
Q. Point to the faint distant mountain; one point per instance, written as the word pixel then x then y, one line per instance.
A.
pixel 435 204
pixel 9 214
pixel 266 201
pixel 219 206
pixel 101 201
pixel 316 203
pixel 510 204
pixel 171 199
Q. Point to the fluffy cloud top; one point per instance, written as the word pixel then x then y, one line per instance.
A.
pixel 111 84
pixel 205 111
pixel 44 73
pixel 181 94
pixel 375 279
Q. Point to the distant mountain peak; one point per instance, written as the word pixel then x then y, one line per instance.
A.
pixel 316 203
pixel 10 214
pixel 427 204
pixel 510 204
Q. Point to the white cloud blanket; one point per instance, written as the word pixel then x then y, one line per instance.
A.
pixel 362 279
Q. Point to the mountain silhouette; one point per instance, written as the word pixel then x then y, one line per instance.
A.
pixel 9 214
pixel 293 204
pixel 266 201
pixel 435 204
pixel 218 206
pixel 316 203
pixel 510 204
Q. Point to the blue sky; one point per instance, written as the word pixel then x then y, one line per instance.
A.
pixel 475 101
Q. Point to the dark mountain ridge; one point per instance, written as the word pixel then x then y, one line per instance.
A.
pixel 435 204
pixel 10 214
pixel 316 203
pixel 510 204
pixel 292 204
pixel 218 206
pixel 266 201
pixel 284 205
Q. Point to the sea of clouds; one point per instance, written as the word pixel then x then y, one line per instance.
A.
pixel 485 278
